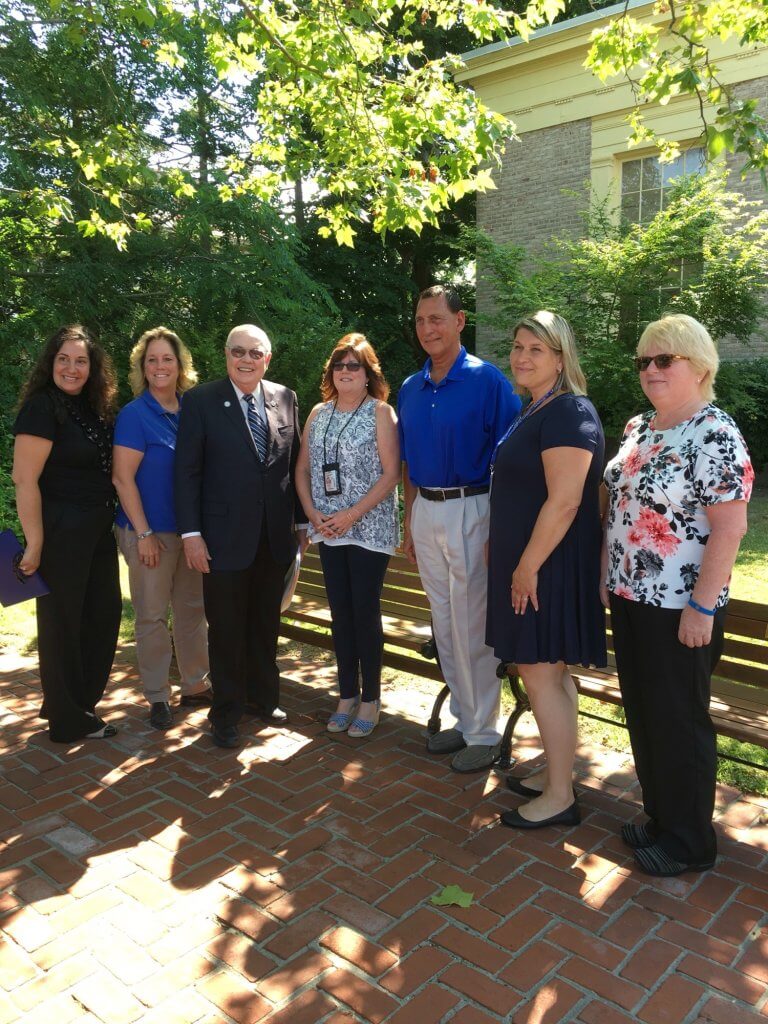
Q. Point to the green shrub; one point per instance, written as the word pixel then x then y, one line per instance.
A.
pixel 742 390
pixel 705 254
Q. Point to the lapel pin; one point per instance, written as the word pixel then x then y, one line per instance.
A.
pixel 227 405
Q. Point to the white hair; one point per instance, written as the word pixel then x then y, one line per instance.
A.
pixel 252 331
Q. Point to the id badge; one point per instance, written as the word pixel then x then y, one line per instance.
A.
pixel 331 479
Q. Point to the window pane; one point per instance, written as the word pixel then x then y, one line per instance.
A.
pixel 672 170
pixel 630 176
pixel 694 161
pixel 692 271
pixel 650 205
pixel 630 207
pixel 651 173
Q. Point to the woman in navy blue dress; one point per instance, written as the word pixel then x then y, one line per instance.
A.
pixel 544 609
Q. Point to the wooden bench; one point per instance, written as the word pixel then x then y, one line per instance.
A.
pixel 739 705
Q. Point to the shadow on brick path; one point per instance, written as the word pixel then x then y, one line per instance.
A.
pixel 155 878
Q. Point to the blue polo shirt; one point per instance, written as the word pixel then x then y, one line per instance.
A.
pixel 448 431
pixel 147 427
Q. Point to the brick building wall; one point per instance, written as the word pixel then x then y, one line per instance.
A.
pixel 532 204
pixel 529 207
pixel 752 188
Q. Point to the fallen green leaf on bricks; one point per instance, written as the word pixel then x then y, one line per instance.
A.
pixel 452 896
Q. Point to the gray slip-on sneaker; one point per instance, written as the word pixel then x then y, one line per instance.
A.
pixel 476 758
pixel 447 741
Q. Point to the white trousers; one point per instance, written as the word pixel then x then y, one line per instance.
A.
pixel 449 538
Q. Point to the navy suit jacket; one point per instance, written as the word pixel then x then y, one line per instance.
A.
pixel 223 489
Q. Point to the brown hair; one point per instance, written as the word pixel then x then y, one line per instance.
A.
pixel 451 295
pixel 358 346
pixel 101 387
pixel 187 372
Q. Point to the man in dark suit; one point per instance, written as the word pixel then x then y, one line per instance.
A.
pixel 237 514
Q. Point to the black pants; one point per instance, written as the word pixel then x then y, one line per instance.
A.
pixel 78 622
pixel 354 578
pixel 243 612
pixel 665 688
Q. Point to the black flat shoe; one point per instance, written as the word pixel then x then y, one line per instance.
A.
pixel 655 861
pixel 160 716
pixel 106 732
pixel 637 837
pixel 225 736
pixel 517 786
pixel 570 816
pixel 276 715
pixel 196 700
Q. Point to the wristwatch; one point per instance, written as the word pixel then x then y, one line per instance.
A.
pixel 143 536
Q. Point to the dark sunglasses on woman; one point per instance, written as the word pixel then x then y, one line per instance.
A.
pixel 662 361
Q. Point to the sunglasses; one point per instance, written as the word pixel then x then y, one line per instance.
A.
pixel 352 366
pixel 239 353
pixel 663 361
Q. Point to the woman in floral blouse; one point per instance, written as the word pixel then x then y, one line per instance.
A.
pixel 678 488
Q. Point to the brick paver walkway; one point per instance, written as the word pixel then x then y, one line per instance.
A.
pixel 154 878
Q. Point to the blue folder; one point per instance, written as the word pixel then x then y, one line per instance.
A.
pixel 16 586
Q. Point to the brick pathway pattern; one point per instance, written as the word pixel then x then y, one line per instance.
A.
pixel 155 878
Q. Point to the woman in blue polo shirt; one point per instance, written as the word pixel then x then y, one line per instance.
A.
pixel 144 453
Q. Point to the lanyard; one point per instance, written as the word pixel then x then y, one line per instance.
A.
pixel 528 411
pixel 338 436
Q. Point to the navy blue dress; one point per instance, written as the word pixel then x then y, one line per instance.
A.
pixel 570 623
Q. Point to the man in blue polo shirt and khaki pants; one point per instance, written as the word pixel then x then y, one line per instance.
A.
pixel 452 414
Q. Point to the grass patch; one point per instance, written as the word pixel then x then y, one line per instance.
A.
pixel 750 574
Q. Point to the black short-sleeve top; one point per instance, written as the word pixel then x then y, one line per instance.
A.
pixel 78 470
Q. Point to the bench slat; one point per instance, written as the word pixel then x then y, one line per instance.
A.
pixel 739 705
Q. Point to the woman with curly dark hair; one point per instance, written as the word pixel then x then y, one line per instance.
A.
pixel 62 469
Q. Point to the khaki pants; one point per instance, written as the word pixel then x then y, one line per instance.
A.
pixel 449 537
pixel 152 590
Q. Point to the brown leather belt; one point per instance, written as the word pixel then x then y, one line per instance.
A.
pixel 447 493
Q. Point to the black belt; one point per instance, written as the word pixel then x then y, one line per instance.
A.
pixel 445 494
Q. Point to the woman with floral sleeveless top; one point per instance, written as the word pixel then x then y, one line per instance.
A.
pixel 346 479
pixel 679 488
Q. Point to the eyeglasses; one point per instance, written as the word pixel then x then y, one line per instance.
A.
pixel 663 361
pixel 351 365
pixel 239 353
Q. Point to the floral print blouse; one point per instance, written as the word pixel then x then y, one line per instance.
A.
pixel 660 484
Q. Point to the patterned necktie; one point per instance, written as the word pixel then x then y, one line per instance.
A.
pixel 258 427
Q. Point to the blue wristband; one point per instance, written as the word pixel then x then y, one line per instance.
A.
pixel 700 607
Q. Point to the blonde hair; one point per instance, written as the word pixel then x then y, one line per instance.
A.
pixel 681 335
pixel 187 372
pixel 357 345
pixel 557 335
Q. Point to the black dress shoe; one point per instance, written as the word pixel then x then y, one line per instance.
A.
pixel 638 837
pixel 197 700
pixel 225 736
pixel 570 816
pixel 654 860
pixel 160 716
pixel 276 715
